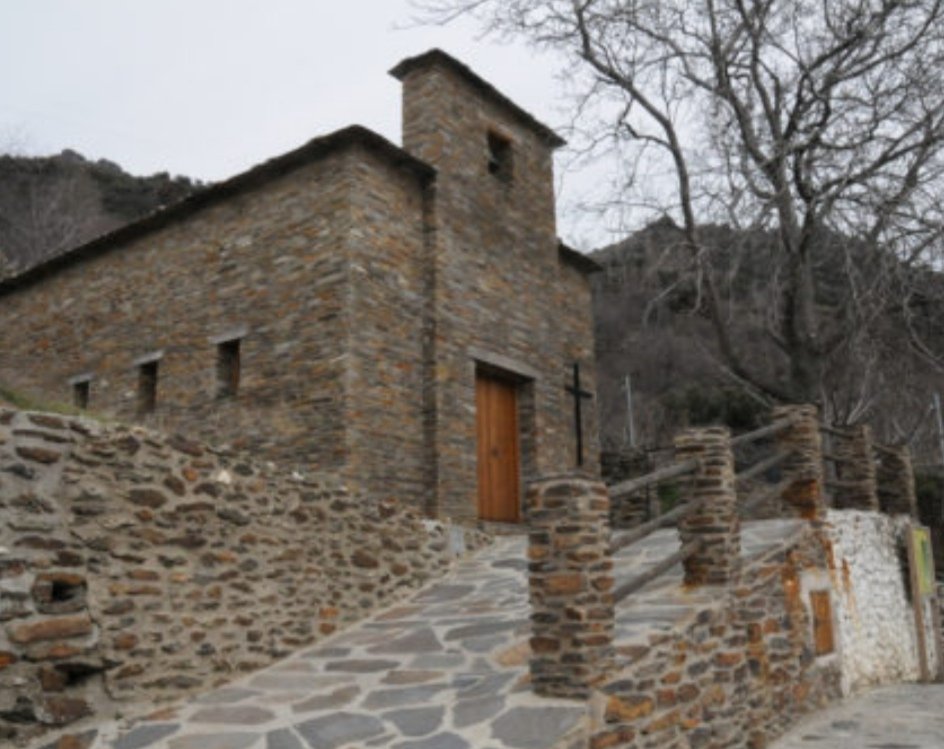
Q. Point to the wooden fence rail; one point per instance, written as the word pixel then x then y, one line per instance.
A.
pixel 640 581
pixel 771 430
pixel 764 493
pixel 574 595
pixel 762 466
pixel 638 533
pixel 662 474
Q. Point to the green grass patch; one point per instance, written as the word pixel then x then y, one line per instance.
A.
pixel 26 402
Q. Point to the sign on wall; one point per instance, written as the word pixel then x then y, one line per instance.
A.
pixel 921 568
pixel 924 560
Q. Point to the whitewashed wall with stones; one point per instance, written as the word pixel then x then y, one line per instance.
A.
pixel 875 628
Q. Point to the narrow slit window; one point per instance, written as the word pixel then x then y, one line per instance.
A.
pixel 499 156
pixel 227 368
pixel 80 394
pixel 147 387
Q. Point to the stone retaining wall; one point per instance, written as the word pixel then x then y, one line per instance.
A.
pixel 757 641
pixel 135 566
pixel 738 674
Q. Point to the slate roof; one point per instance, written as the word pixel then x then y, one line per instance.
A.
pixel 355 135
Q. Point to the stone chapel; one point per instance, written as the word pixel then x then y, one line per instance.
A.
pixel 402 316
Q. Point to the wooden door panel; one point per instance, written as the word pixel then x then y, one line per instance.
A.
pixel 496 406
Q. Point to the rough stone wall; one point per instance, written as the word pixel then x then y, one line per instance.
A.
pixel 570 586
pixel 502 296
pixel 736 676
pixel 713 521
pixel 271 262
pixel 135 566
pixel 387 309
pixel 876 628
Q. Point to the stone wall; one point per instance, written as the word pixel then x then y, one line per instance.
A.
pixel 137 567
pixel 737 675
pixel 267 266
pixel 759 635
pixel 570 586
pixel 504 299
pixel 875 622
pixel 821 614
pixel 387 312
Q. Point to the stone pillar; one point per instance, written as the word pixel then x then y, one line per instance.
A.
pixel 803 469
pixel 716 523
pixel 856 488
pixel 571 582
pixel 896 482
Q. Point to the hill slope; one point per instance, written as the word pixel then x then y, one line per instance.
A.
pixel 50 204
pixel 651 324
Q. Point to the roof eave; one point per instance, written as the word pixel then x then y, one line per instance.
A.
pixel 257 176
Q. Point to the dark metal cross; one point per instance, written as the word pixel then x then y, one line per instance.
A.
pixel 579 395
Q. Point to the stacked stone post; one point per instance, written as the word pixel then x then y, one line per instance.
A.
pixel 896 482
pixel 571 582
pixel 715 522
pixel 803 469
pixel 857 488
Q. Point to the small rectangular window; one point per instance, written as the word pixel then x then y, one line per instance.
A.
pixel 80 394
pixel 147 387
pixel 499 156
pixel 227 368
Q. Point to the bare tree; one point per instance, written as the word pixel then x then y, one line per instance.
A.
pixel 44 214
pixel 819 122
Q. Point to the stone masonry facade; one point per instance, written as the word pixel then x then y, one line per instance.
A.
pixel 137 567
pixel 330 308
pixel 739 674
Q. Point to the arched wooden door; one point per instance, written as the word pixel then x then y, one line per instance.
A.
pixel 496 410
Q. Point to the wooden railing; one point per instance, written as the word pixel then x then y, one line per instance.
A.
pixel 677 514
pixel 858 479
pixel 572 578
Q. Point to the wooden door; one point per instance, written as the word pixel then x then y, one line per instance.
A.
pixel 496 409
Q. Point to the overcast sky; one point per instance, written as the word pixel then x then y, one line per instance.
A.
pixel 208 88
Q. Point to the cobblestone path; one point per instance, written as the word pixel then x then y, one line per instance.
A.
pixel 446 669
pixel 907 716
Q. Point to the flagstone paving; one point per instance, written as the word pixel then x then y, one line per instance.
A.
pixel 446 669
pixel 907 716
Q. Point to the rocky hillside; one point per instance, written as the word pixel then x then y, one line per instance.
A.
pixel 50 204
pixel 651 324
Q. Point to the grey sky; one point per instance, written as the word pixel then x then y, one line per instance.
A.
pixel 208 88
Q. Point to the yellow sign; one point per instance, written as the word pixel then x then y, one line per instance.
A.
pixel 924 560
